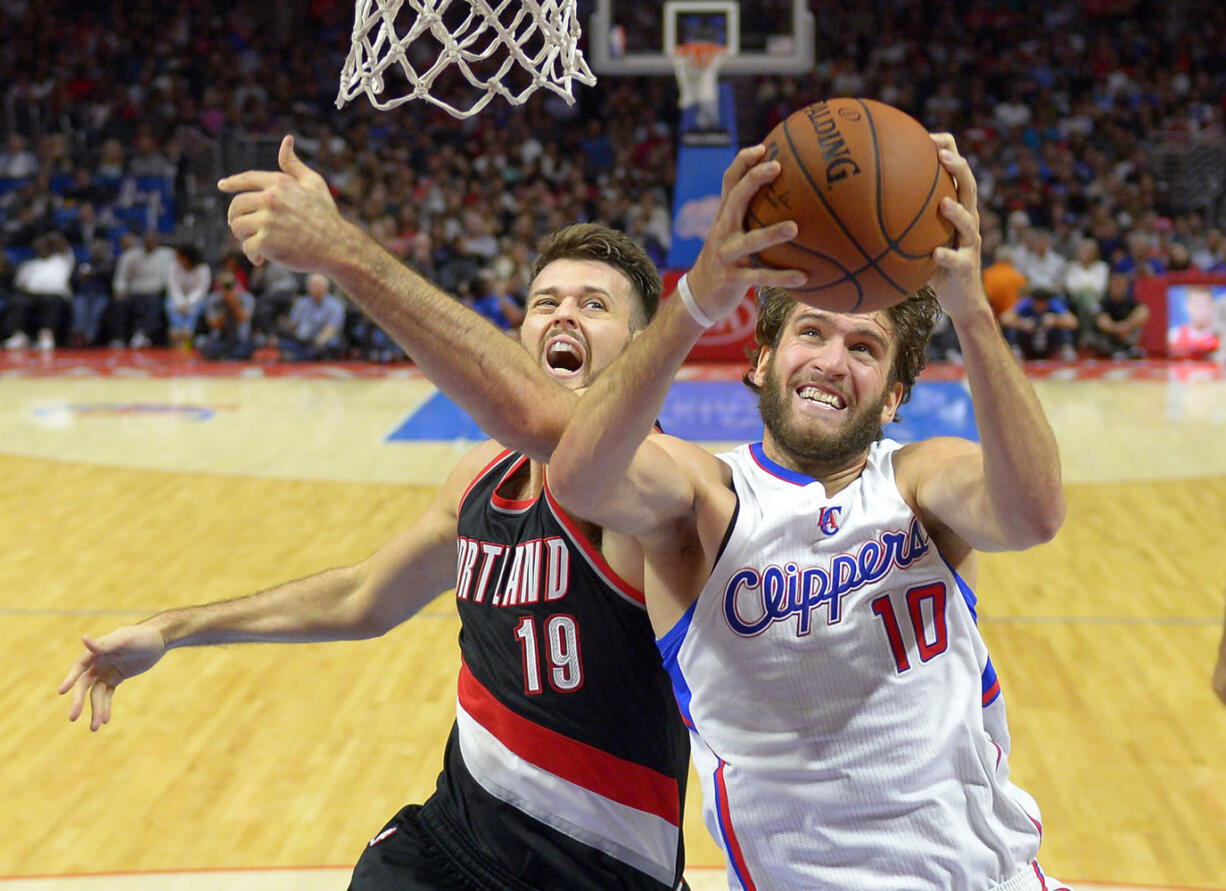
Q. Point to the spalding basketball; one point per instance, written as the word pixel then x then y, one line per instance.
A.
pixel 863 182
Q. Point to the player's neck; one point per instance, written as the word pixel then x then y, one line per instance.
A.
pixel 526 483
pixel 834 475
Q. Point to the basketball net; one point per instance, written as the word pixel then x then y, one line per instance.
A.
pixel 697 67
pixel 539 36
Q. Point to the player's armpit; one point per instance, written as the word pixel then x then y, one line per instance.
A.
pixel 418 564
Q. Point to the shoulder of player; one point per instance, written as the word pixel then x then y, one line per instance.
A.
pixel 916 462
pixel 696 462
pixel 468 468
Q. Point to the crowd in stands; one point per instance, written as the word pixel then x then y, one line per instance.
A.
pixel 1058 106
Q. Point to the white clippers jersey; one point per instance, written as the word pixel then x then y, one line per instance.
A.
pixel 847 725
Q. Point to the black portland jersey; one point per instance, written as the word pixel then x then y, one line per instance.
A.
pixel 567 763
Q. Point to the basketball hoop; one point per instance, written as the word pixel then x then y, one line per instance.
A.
pixel 697 67
pixel 483 41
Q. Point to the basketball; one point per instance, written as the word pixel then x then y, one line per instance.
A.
pixel 863 182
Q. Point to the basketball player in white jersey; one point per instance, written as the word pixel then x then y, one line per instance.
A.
pixel 811 594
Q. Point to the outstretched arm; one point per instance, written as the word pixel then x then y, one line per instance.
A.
pixel 351 603
pixel 289 216
pixel 1008 494
pixel 603 469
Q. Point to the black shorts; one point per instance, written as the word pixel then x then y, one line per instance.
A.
pixel 402 857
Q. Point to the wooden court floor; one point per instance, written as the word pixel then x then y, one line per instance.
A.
pixel 125 495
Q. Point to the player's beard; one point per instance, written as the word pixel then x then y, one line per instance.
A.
pixel 809 447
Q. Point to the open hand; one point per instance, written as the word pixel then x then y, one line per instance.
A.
pixel 107 661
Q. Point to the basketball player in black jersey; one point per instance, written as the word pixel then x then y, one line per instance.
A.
pixel 567 763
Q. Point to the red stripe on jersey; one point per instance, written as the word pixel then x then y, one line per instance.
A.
pixel 991 691
pixel 740 867
pixel 593 555
pixel 1039 873
pixel 507 503
pixel 476 479
pixel 586 766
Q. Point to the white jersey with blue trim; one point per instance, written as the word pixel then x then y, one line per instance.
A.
pixel 847 725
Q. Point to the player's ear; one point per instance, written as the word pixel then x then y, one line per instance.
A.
pixel 892 401
pixel 759 372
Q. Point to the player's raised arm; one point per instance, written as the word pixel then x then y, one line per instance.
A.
pixel 1006 495
pixel 289 216
pixel 602 469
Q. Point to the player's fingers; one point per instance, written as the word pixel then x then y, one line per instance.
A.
pixel 755 240
pixel 944 140
pixel 79 689
pixel 107 693
pixel 786 279
pixel 95 705
pixel 737 199
pixel 77 669
pixel 293 166
pixel 745 160
pixel 949 258
pixel 247 225
pixel 252 247
pixel 249 180
pixel 244 203
pixel 964 180
pixel 965 221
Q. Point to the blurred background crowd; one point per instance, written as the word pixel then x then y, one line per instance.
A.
pixel 1095 130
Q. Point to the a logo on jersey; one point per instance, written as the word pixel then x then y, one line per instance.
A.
pixel 828 520
pixel 531 572
pixel 754 600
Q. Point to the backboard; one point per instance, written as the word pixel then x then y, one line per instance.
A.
pixel 763 36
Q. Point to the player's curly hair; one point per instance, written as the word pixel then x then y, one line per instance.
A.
pixel 593 241
pixel 912 322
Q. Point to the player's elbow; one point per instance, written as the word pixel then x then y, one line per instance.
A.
pixel 528 424
pixel 1040 523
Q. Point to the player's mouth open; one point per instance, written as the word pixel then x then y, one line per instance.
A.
pixel 564 355
pixel 822 399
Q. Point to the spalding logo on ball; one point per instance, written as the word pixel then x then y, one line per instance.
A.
pixel 863 182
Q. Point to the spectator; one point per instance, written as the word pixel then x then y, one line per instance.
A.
pixel 1039 326
pixel 141 275
pixel 1211 256
pixel 228 315
pixel 1120 321
pixel 17 161
pixel 186 287
pixel 316 324
pixel 1041 265
pixel 275 287
pixel 41 288
pixel 92 293
pixel 492 300
pixel 1002 281
pixel 1140 259
pixel 1085 283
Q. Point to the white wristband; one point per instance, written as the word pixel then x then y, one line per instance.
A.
pixel 691 305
